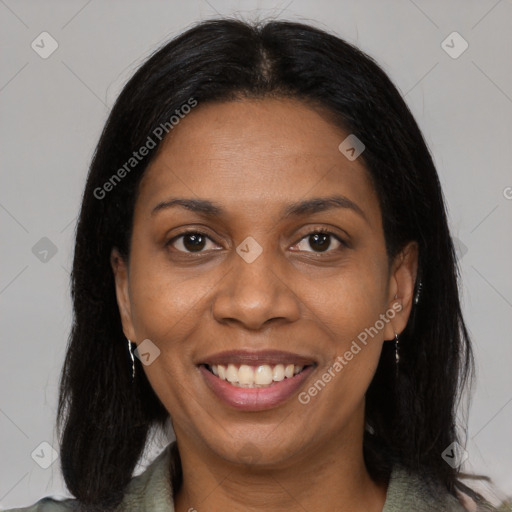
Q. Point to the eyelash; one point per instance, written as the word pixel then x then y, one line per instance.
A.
pixel 313 232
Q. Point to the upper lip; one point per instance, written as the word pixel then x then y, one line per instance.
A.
pixel 257 358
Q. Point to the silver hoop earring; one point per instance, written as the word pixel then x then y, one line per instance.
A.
pixel 397 352
pixel 133 359
pixel 418 293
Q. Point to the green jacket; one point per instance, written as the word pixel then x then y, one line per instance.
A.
pixel 151 492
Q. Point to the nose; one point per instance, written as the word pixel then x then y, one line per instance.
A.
pixel 255 293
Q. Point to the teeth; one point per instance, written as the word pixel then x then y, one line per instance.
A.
pixel 232 373
pixel 278 373
pixel 263 375
pixel 288 371
pixel 255 376
pixel 245 375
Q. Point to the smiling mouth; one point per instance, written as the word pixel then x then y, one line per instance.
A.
pixel 261 376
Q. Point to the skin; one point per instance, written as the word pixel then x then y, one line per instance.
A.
pixel 253 158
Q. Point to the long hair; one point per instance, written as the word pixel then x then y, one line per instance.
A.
pixel 103 419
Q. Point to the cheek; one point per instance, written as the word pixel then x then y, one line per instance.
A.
pixel 347 306
pixel 164 302
pixel 351 299
pixel 166 310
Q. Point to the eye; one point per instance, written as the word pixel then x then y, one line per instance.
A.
pixel 196 242
pixel 320 241
pixel 190 242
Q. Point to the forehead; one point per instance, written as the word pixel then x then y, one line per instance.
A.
pixel 255 153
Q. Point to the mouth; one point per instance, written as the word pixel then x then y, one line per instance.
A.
pixel 255 380
pixel 262 376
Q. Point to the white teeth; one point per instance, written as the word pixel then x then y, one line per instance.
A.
pixel 255 376
pixel 263 375
pixel 232 373
pixel 278 372
pixel 245 375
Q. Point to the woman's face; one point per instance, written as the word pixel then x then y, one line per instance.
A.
pixel 256 286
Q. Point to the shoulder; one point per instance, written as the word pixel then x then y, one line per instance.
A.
pixel 48 504
pixel 150 490
pixel 408 491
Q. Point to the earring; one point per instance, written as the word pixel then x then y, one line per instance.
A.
pixel 397 352
pixel 133 360
pixel 418 293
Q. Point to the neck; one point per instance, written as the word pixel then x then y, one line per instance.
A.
pixel 316 478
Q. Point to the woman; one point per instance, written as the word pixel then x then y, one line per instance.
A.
pixel 263 221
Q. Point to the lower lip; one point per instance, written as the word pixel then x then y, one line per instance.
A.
pixel 255 399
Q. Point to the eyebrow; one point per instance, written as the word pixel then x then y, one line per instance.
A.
pixel 297 209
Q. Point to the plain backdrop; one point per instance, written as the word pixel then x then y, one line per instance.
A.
pixel 53 110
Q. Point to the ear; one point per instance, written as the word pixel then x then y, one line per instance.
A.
pixel 402 281
pixel 120 269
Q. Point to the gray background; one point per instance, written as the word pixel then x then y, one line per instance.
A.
pixel 52 113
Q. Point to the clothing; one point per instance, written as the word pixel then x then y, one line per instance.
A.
pixel 151 492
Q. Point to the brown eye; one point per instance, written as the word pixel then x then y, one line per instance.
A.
pixel 320 241
pixel 192 241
